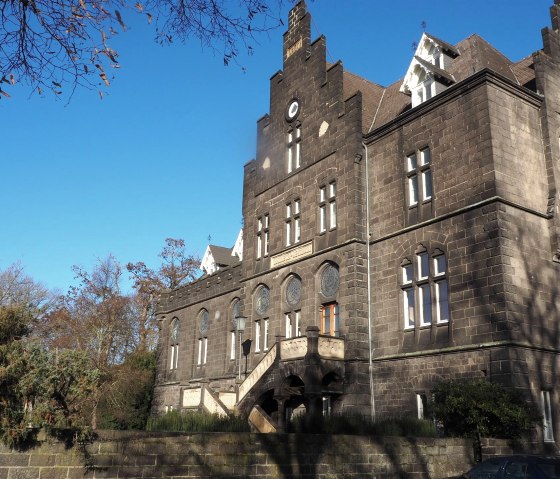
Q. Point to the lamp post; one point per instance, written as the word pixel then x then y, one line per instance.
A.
pixel 240 327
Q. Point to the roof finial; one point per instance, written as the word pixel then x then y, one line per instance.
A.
pixel 209 239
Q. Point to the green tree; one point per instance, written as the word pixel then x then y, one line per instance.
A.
pixel 477 408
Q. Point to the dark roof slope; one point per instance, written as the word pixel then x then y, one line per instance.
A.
pixel 222 256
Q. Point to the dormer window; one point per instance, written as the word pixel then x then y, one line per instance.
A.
pixel 427 75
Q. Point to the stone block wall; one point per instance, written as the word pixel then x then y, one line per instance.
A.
pixel 221 455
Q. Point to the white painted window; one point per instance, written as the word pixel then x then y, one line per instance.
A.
pixel 232 346
pixel 293 223
pixel 327 207
pixel 421 405
pixel 548 432
pixel 419 177
pixel 265 334
pixel 262 235
pixel 205 356
pixel 199 360
pixel 292 324
pixel 294 149
pixel 202 351
pixel 425 292
pixel 257 336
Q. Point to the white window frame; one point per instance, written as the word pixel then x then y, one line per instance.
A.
pixel 262 235
pixel 258 336
pixel 293 222
pixel 293 324
pixel 294 148
pixel 232 346
pixel 327 207
pixel 548 431
pixel 265 334
pixel 419 177
pixel 199 360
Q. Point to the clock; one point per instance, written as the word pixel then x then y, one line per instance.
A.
pixel 292 110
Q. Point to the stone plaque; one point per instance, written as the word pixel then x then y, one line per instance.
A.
pixel 291 255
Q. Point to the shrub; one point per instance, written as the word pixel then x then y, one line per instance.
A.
pixel 174 421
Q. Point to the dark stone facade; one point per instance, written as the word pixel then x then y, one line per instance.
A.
pixel 486 221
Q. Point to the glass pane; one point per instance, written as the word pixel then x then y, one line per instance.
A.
pixel 296 206
pixel 333 214
pixel 408 274
pixel 413 190
pixel 288 233
pixel 322 194
pixel 259 246
pixel 411 162
pixel 288 210
pixel 322 218
pixel 232 354
pixel 326 320
pixel 288 326
pixel 297 232
pixel 332 190
pixel 442 302
pixel 266 243
pixel 259 224
pixel 336 329
pixel 423 265
pixel 266 221
pixel 440 265
pixel 408 296
pixel 298 132
pixel 298 155
pixel 425 157
pixel 427 184
pixel 426 301
pixel 257 335
pixel 297 331
pixel 290 159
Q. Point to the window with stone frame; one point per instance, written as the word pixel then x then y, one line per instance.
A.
pixel 235 312
pixel 419 177
pixel 262 303
pixel 548 434
pixel 294 148
pixel 174 344
pixel 263 235
pixel 292 314
pixel 327 207
pixel 422 405
pixel 330 319
pixel 293 222
pixel 424 289
pixel 203 326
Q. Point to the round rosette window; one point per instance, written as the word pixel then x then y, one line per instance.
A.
pixel 293 291
pixel 330 281
pixel 262 301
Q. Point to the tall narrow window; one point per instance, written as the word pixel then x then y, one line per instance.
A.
pixel 330 322
pixel 265 334
pixel 232 346
pixel 294 148
pixel 424 290
pixel 422 405
pixel 257 336
pixel 262 235
pixel 419 177
pixel 293 222
pixel 292 324
pixel 548 433
pixel 327 207
pixel 174 344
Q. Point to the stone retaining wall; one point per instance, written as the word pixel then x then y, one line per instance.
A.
pixel 243 456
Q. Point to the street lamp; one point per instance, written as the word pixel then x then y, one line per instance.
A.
pixel 240 327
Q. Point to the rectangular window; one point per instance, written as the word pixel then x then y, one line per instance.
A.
pixel 199 361
pixel 426 303
pixel 265 335
pixel 257 336
pixel 205 356
pixel 294 149
pixel 440 265
pixel 423 266
pixel 232 350
pixel 327 207
pixel 422 405
pixel 548 433
pixel 174 356
pixel 292 325
pixel 262 236
pixel 419 177
pixel 293 222
pixel 442 302
pixel 408 301
pixel 330 322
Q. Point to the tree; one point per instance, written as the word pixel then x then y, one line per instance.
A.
pixel 478 408
pixel 21 291
pixel 176 268
pixel 39 388
pixel 48 43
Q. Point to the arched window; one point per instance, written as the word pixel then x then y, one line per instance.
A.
pixel 203 325
pixel 262 304
pixel 174 344
pixel 292 312
pixel 425 289
pixel 330 314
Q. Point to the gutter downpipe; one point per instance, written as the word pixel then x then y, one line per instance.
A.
pixel 371 388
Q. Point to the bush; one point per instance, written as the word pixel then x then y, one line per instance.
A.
pixel 362 425
pixel 174 421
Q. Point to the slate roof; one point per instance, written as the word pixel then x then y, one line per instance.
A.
pixel 382 104
pixel 222 256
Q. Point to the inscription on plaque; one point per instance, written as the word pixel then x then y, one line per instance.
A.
pixel 292 255
pixel 294 48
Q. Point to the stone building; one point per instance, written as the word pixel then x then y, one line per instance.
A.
pixel 393 237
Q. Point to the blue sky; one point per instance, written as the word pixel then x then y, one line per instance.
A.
pixel 162 154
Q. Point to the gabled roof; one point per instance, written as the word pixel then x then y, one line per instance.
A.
pixel 446 47
pixel 222 256
pixel 438 72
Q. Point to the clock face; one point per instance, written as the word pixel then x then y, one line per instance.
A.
pixel 293 110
